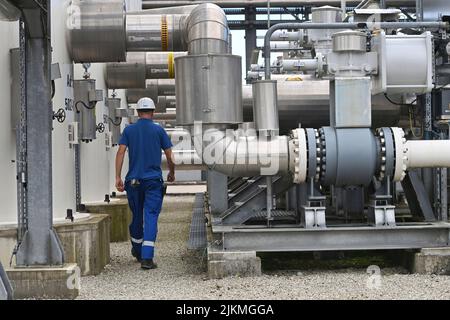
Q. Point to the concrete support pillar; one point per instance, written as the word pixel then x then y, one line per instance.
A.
pixel 432 261
pixel 222 264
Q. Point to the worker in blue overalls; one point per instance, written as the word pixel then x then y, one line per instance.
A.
pixel 144 184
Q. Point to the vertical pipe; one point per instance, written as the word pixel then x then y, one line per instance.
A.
pixel 419 10
pixel 427 173
pixel 250 37
pixel 443 172
pixel 77 177
pixel 269 199
pixel 344 9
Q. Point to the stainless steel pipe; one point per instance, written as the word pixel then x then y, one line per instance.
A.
pixel 237 155
pixel 139 67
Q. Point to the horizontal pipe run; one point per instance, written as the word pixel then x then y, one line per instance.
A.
pixel 149 4
pixel 299 64
pixel 139 67
pixel 323 26
pixel 428 153
pixel 186 160
pixel 283 35
pixel 237 155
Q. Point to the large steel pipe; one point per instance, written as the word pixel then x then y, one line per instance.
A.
pixel 305 102
pixel 237 155
pixel 101 31
pixel 148 4
pixel 428 153
pixel 308 103
pixel 154 89
pixel 96 31
pixel 155 32
pixel 185 160
pixel 139 67
pixel 207 30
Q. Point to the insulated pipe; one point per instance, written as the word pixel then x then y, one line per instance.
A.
pixel 147 4
pixel 155 32
pixel 186 160
pixel 139 67
pixel 306 26
pixel 282 46
pixel 284 35
pixel 235 155
pixel 96 31
pixel 154 89
pixel 101 31
pixel 299 64
pixel 428 153
pixel 207 30
pixel 171 10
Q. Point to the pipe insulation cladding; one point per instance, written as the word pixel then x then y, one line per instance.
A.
pixel 207 30
pixel 155 32
pixel 101 31
pixel 139 67
pixel 428 153
pixel 236 155
pixel 96 31
pixel 209 89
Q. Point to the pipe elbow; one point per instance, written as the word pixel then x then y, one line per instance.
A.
pixel 207 30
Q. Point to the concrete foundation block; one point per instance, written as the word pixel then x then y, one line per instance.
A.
pixel 45 282
pixel 86 242
pixel 432 261
pixel 223 264
pixel 120 216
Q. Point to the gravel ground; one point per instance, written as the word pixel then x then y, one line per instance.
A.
pixel 181 274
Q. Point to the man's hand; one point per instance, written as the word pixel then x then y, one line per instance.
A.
pixel 119 184
pixel 170 162
pixel 171 177
pixel 119 162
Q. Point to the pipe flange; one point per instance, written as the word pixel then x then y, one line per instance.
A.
pixel 299 160
pixel 383 155
pixel 323 154
pixel 318 155
pixel 387 153
pixel 401 158
pixel 312 147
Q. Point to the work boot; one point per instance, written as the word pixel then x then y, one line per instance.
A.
pixel 148 264
pixel 136 255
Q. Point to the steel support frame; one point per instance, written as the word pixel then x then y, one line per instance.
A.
pixel 282 239
pixel 6 291
pixel 250 36
pixel 40 245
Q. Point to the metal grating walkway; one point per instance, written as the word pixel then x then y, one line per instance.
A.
pixel 197 235
pixel 276 214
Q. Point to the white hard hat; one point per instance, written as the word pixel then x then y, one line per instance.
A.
pixel 145 104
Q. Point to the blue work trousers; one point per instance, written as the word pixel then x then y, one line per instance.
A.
pixel 145 201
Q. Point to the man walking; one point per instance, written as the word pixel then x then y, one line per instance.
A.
pixel 144 184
